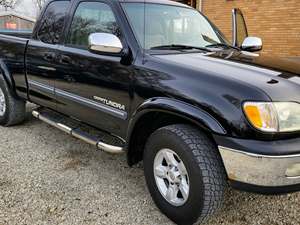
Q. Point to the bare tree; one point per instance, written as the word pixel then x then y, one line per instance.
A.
pixel 9 4
pixel 39 3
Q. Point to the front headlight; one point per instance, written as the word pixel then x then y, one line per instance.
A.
pixel 273 116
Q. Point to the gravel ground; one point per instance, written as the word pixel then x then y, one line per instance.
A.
pixel 48 177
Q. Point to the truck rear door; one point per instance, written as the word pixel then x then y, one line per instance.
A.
pixel 42 53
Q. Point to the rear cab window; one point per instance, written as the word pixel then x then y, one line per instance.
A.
pixel 52 22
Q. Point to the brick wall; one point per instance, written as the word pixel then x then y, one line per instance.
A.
pixel 20 24
pixel 277 22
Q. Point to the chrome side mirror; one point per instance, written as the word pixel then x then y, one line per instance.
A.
pixel 105 43
pixel 252 44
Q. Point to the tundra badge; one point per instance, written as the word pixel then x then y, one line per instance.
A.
pixel 110 103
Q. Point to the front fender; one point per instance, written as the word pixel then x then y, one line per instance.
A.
pixel 179 108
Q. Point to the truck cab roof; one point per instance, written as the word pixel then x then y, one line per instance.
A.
pixel 163 2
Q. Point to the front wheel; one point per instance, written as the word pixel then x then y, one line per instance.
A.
pixel 184 173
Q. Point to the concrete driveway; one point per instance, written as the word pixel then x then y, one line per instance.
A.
pixel 48 177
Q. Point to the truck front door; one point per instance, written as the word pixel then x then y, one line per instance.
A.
pixel 94 88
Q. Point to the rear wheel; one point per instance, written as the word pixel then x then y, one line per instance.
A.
pixel 184 173
pixel 12 109
pixel 2 103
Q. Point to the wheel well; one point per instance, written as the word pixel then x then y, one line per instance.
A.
pixel 145 126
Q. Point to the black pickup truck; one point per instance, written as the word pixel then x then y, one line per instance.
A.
pixel 157 80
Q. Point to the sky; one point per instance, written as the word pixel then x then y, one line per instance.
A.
pixel 27 8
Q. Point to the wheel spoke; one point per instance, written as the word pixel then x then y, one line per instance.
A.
pixel 161 171
pixel 181 168
pixel 171 194
pixel 184 189
pixel 169 157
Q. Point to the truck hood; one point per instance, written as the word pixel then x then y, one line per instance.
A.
pixel 278 77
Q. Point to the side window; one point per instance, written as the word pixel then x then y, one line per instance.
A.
pixel 91 17
pixel 52 22
pixel 241 29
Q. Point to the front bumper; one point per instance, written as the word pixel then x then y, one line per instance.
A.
pixel 262 170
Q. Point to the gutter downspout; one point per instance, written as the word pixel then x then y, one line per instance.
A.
pixel 201 5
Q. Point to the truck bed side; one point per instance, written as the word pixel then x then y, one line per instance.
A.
pixel 12 63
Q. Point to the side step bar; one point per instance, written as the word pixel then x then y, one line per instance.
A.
pixel 76 132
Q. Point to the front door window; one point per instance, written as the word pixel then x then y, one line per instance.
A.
pixel 91 17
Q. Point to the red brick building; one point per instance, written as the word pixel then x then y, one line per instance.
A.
pixel 15 21
pixel 277 22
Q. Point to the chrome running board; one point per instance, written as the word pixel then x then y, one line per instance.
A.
pixel 76 132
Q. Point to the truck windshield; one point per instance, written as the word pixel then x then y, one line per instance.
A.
pixel 164 27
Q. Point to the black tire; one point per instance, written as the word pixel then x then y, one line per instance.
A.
pixel 207 177
pixel 15 108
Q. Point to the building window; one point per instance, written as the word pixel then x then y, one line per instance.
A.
pixel 192 3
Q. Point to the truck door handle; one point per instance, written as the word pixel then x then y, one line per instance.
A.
pixel 49 56
pixel 65 59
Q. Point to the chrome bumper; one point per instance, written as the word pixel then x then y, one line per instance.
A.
pixel 261 170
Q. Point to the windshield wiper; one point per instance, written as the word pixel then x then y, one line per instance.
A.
pixel 221 45
pixel 179 47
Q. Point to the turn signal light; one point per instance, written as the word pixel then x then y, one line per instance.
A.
pixel 261 115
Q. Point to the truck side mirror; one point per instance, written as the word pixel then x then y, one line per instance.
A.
pixel 105 43
pixel 239 28
pixel 240 36
pixel 252 44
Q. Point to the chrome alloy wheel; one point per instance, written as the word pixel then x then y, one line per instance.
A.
pixel 2 103
pixel 171 177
